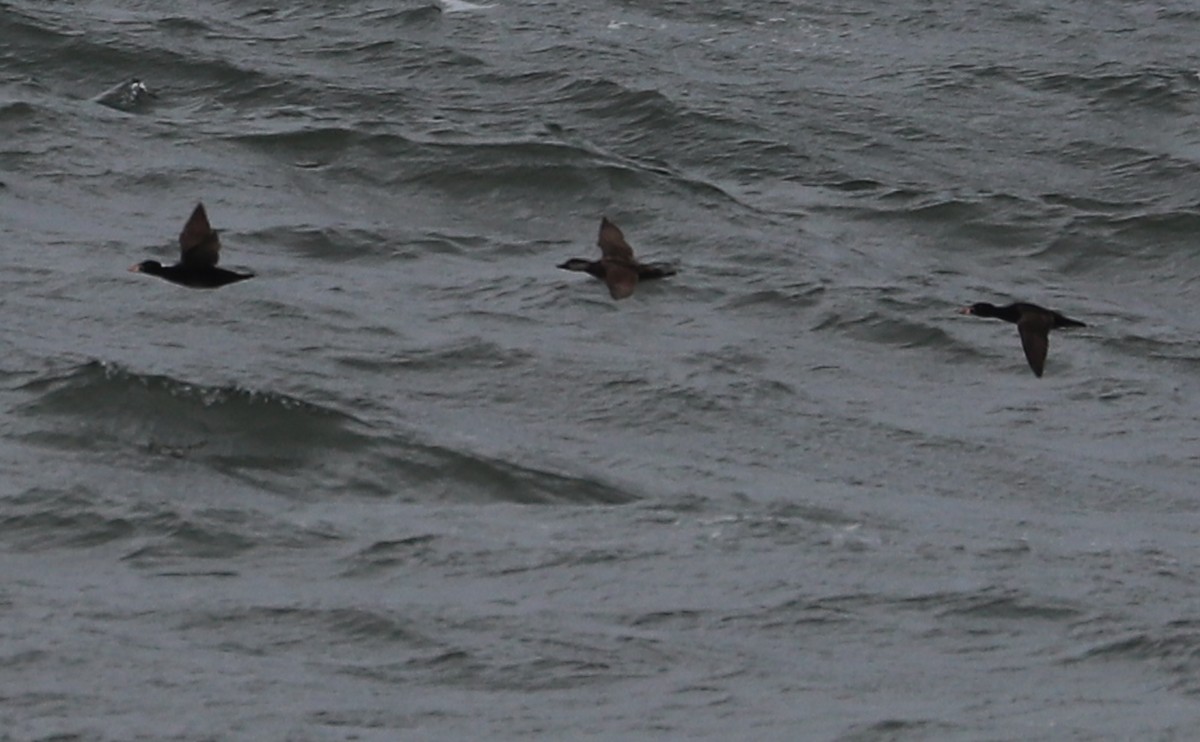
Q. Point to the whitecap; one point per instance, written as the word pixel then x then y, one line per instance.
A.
pixel 462 6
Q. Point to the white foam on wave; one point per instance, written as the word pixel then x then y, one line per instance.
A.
pixel 461 6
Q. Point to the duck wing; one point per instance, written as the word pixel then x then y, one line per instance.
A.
pixel 612 242
pixel 1035 339
pixel 198 241
pixel 621 278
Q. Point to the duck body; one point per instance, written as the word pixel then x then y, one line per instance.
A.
pixel 192 277
pixel 617 266
pixel 1033 323
pixel 596 268
pixel 199 252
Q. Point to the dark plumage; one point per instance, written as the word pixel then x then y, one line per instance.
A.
pixel 1034 323
pixel 617 266
pixel 197 267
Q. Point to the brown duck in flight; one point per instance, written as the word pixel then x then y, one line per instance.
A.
pixel 197 266
pixel 617 266
pixel 1034 323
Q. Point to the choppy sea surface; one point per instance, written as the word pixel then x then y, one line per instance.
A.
pixel 414 482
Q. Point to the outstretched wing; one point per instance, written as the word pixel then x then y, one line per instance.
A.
pixel 199 241
pixel 1035 339
pixel 620 277
pixel 612 242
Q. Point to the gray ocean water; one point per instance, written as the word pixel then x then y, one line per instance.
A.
pixel 414 482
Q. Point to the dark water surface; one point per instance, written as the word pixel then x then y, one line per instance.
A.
pixel 414 482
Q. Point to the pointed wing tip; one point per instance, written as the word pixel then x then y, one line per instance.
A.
pixel 199 217
pixel 198 241
pixel 606 222
pixel 1035 341
pixel 612 241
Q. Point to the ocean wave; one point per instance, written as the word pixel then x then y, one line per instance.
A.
pixel 1169 89
pixel 647 114
pixel 336 244
pixel 1157 343
pixel 1007 606
pixel 469 353
pixel 876 327
pixel 277 441
pixel 43 517
pixel 1173 648
pixel 459 165
pixel 1154 240
pixel 360 627
pixel 18 111
pixel 524 170
pixel 1148 226
pixel 786 298
pixel 1002 220
pixel 142 531
pixel 603 98
pixel 518 170
pixel 119 405
pixel 383 556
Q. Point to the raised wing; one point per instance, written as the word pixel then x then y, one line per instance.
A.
pixel 198 241
pixel 620 277
pixel 1035 339
pixel 612 242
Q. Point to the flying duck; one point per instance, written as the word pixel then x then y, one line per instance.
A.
pixel 1034 323
pixel 197 266
pixel 617 266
